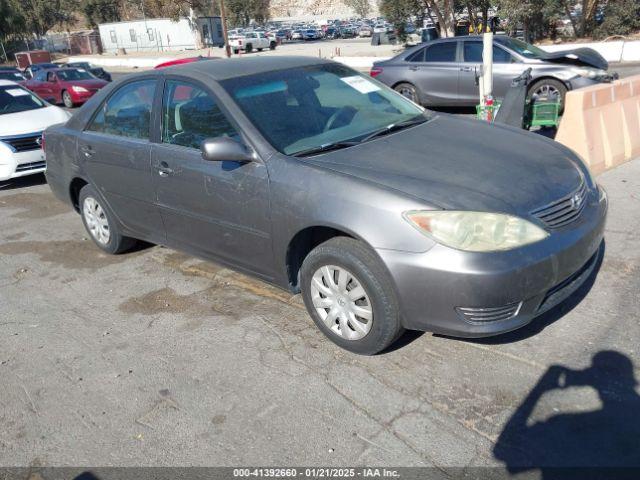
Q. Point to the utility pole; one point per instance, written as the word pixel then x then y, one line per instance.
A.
pixel 225 33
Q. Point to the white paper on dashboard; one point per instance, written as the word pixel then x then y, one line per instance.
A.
pixel 361 84
pixel 17 92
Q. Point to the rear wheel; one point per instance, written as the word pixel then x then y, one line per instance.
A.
pixel 101 224
pixel 249 48
pixel 236 51
pixel 350 296
pixel 272 46
pixel 260 49
pixel 407 90
pixel 66 99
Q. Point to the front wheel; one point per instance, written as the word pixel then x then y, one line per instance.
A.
pixel 260 49
pixel 548 90
pixel 350 296
pixel 67 100
pixel 100 223
pixel 272 46
pixel 407 90
pixel 248 48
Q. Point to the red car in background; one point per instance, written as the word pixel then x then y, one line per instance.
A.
pixel 70 86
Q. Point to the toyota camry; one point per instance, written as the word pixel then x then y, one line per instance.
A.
pixel 321 180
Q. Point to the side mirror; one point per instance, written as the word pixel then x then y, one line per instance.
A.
pixel 222 149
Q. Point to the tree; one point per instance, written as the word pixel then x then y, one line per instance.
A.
pixel 241 12
pixel 11 19
pixel 101 11
pixel 361 7
pixel 621 17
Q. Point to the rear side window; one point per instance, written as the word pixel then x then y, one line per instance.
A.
pixel 441 52
pixel 127 113
pixel 191 115
pixel 417 56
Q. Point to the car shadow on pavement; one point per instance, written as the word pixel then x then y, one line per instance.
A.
pixel 595 444
pixel 538 324
pixel 22 182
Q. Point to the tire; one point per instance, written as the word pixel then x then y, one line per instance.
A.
pixel 236 51
pixel 66 99
pixel 409 91
pixel 91 204
pixel 272 46
pixel 248 48
pixel 538 88
pixel 260 49
pixel 363 268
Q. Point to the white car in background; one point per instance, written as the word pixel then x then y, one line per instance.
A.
pixel 23 118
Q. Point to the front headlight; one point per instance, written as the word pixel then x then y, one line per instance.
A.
pixel 79 89
pixel 589 72
pixel 475 231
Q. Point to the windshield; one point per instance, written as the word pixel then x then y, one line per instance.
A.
pixel 14 99
pixel 13 76
pixel 74 74
pixel 306 108
pixel 525 49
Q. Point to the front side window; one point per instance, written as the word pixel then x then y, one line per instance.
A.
pixel 473 53
pixel 127 113
pixel 14 99
pixel 191 115
pixel 301 109
pixel 442 52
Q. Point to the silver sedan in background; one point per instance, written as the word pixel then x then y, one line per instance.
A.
pixel 443 73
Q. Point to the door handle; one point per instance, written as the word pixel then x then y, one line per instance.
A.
pixel 87 151
pixel 164 170
pixel 413 68
pixel 466 69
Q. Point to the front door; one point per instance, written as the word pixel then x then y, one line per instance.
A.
pixel 116 154
pixel 215 209
pixel 505 69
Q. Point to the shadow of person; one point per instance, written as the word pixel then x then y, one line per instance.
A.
pixel 593 442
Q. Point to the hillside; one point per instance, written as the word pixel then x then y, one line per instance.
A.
pixel 301 9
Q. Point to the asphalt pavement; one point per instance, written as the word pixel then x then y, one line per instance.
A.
pixel 158 358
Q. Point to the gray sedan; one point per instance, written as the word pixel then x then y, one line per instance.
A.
pixel 443 72
pixel 320 180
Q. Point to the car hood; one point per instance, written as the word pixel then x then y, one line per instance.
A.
pixel 31 121
pixel 578 56
pixel 454 163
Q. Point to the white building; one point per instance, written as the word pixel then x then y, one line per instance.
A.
pixel 161 34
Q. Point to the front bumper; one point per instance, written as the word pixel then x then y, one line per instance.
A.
pixel 20 164
pixel 435 288
pixel 581 82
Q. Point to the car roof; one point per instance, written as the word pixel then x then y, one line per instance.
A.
pixel 226 68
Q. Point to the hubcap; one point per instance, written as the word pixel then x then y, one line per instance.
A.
pixel 407 92
pixel 96 220
pixel 342 303
pixel 546 91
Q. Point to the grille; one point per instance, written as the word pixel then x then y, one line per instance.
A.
pixel 480 316
pixel 23 167
pixel 24 143
pixel 564 211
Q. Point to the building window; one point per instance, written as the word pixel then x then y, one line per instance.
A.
pixel 150 33
pixel 132 34
pixel 112 33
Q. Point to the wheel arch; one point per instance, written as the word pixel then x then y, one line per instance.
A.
pixel 548 77
pixel 303 242
pixel 76 184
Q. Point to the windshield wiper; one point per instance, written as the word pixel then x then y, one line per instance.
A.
pixel 394 127
pixel 325 148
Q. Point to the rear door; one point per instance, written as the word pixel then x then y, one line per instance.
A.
pixel 434 71
pixel 115 151
pixel 215 209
